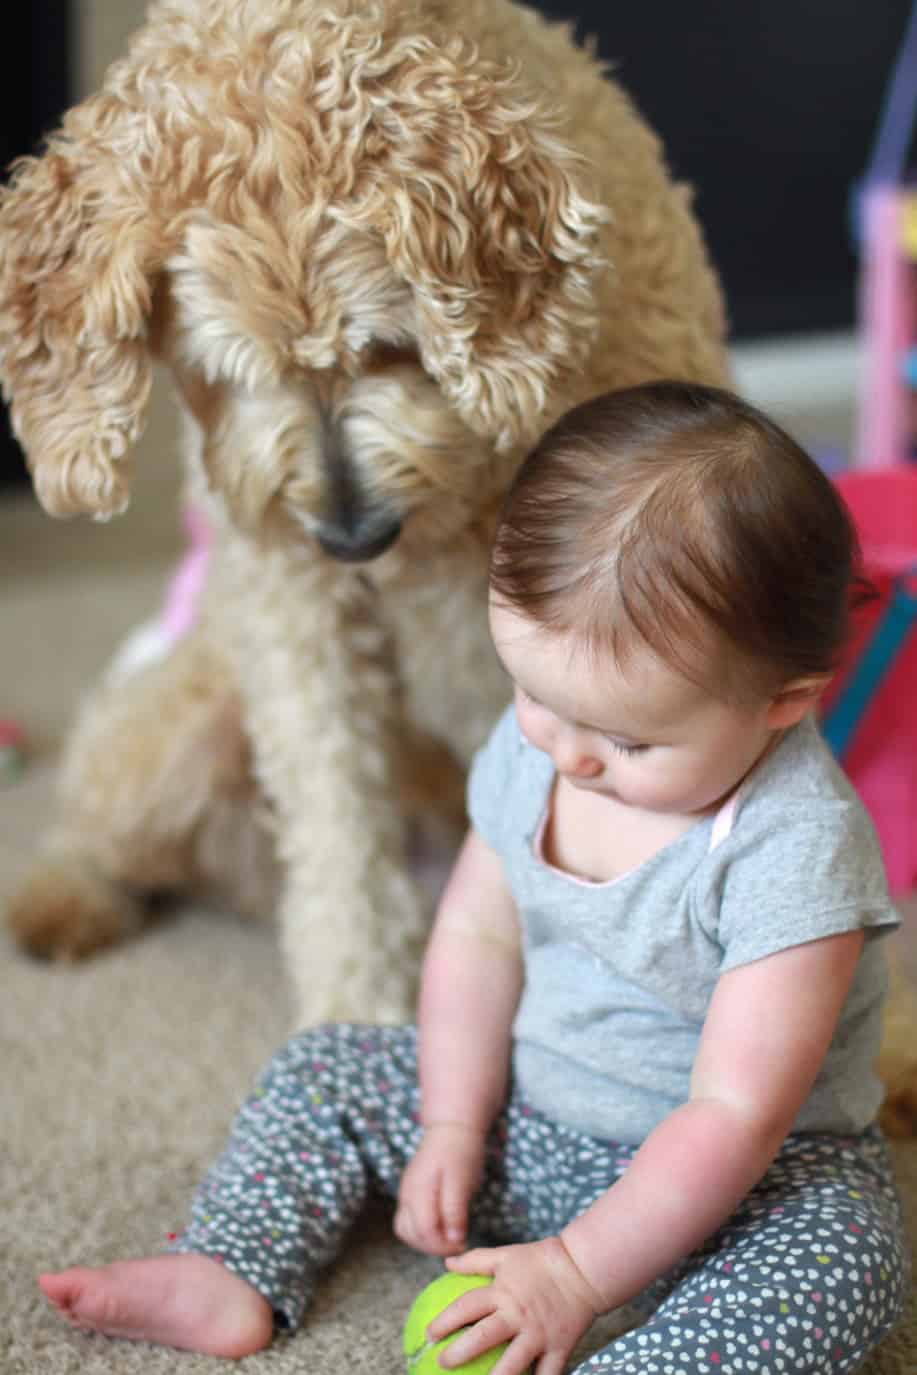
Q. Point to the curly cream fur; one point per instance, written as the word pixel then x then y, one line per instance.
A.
pixel 380 247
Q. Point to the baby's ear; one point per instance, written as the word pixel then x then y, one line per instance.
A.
pixel 796 700
pixel 482 208
pixel 78 251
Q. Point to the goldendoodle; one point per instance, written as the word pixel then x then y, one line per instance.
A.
pixel 379 245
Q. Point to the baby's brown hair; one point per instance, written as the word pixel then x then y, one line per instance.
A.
pixel 664 510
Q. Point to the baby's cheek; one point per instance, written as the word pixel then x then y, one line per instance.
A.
pixel 527 719
pixel 666 783
pixel 538 740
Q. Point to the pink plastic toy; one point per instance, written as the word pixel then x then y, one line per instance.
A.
pixel 182 601
pixel 888 318
pixel 870 712
pixel 886 230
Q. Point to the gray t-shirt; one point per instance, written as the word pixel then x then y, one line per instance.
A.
pixel 619 975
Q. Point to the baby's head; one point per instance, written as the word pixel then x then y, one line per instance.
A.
pixel 670 588
pixel 678 516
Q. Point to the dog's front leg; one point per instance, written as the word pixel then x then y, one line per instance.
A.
pixel 323 711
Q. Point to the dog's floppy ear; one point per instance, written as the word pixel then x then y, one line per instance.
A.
pixel 78 247
pixel 481 206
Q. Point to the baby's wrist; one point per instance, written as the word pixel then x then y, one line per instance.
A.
pixel 592 1277
pixel 453 1125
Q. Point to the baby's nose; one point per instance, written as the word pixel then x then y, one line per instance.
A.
pixel 571 759
pixel 586 767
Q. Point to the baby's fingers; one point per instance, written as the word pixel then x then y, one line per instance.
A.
pixel 491 1331
pixel 423 1234
pixel 520 1359
pixel 481 1261
pixel 453 1209
pixel 523 1356
pixel 405 1225
pixel 464 1311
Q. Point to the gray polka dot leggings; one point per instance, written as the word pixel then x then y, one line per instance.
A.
pixel 808 1274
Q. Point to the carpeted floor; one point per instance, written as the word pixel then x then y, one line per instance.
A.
pixel 118 1077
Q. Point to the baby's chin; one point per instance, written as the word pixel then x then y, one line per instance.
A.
pixel 600 787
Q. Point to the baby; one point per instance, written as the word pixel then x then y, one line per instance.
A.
pixel 650 1004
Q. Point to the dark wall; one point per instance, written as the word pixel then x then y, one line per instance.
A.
pixel 35 89
pixel 769 107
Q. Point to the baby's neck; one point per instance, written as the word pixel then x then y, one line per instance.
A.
pixel 597 838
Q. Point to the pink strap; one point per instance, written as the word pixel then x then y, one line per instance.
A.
pixel 722 822
pixel 182 599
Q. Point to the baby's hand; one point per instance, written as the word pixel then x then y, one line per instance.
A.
pixel 437 1187
pixel 539 1302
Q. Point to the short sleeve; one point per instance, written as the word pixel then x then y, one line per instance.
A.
pixel 493 769
pixel 807 875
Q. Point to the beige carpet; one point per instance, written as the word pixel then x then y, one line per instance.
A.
pixel 118 1077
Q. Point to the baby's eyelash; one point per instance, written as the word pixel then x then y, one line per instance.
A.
pixel 627 749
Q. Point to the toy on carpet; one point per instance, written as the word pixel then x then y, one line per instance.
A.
pixel 423 1354
pixel 12 750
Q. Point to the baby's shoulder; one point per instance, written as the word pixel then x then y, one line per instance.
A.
pixel 507 777
pixel 798 778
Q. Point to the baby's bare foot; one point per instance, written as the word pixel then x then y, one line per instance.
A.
pixel 187 1301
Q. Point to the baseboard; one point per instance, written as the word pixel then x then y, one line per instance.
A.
pixel 805 372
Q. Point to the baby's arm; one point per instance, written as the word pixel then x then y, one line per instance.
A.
pixel 767 1030
pixel 470 986
pixel 766 1034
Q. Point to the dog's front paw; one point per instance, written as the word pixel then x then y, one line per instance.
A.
pixel 898 1114
pixel 66 910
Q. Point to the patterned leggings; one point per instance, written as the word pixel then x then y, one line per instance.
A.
pixel 808 1274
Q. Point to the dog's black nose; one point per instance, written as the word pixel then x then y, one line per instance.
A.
pixel 356 525
pixel 360 544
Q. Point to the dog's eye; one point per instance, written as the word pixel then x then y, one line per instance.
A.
pixel 379 356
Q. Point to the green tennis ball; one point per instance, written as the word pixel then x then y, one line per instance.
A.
pixel 423 1354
